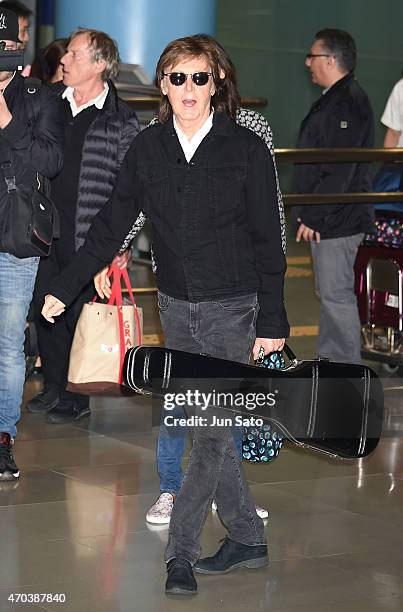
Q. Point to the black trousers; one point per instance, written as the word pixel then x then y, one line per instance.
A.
pixel 55 339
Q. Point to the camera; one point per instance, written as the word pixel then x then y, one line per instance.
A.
pixel 10 60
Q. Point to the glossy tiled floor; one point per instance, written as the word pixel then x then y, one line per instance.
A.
pixel 74 524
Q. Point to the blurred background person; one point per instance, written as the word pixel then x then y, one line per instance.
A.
pixel 392 117
pixel 390 175
pixel 46 65
pixel 341 117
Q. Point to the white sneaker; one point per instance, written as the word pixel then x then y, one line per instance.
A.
pixel 261 512
pixel 160 512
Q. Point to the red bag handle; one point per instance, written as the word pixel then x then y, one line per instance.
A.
pixel 116 299
pixel 125 276
pixel 116 295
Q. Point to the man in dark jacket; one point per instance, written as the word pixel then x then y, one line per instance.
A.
pixel 99 128
pixel 209 188
pixel 31 139
pixel 342 117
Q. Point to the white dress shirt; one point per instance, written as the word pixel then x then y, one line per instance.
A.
pixel 189 146
pixel 99 101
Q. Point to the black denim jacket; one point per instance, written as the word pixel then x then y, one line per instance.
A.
pixel 215 220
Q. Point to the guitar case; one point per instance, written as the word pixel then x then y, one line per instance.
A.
pixel 335 408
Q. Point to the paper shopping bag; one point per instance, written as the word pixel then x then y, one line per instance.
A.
pixel 103 334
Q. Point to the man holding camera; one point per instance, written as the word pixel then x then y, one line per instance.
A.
pixel 31 146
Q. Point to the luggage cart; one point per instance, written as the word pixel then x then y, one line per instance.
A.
pixel 379 289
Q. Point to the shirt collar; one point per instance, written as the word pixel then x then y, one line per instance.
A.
pixel 201 132
pixel 339 83
pixel 98 101
pixel 189 146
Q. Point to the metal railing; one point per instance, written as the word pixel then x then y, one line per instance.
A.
pixel 152 102
pixel 337 156
pixel 330 156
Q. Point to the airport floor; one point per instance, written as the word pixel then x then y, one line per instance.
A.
pixel 74 524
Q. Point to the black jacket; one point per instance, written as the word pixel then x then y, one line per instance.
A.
pixel 215 220
pixel 33 142
pixel 342 117
pixel 106 142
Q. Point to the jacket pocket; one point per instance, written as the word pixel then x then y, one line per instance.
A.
pixel 155 183
pixel 225 186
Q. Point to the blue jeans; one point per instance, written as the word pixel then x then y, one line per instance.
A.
pixel 17 279
pixel 224 329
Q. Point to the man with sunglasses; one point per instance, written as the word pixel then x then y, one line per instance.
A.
pixel 342 117
pixel 209 188
pixel 172 441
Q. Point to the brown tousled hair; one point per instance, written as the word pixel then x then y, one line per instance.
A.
pixel 226 98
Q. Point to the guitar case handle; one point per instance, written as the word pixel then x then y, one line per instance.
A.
pixel 290 353
pixel 287 350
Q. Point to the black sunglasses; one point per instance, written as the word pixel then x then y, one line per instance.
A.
pixel 178 78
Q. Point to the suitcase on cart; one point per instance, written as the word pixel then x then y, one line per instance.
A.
pixel 379 289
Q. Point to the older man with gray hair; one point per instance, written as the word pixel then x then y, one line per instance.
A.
pixel 99 128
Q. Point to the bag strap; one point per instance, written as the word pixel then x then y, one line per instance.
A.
pixel 290 353
pixel 116 299
pixel 121 343
pixel 32 88
pixel 116 296
pixel 126 279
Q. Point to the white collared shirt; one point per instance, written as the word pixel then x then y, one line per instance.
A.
pixel 99 101
pixel 189 146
